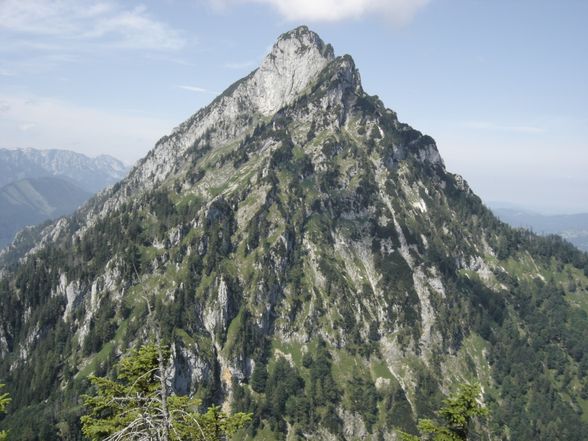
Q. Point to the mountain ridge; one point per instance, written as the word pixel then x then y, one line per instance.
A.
pixel 23 172
pixel 318 267
pixel 230 103
pixel 91 174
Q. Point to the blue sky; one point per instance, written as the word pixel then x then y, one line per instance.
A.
pixel 502 85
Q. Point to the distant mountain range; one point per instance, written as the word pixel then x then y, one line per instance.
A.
pixel 35 200
pixel 91 174
pixel 572 227
pixel 38 185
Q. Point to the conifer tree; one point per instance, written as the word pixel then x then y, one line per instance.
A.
pixel 135 405
pixel 457 412
pixel 4 400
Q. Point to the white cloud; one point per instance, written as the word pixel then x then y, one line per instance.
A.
pixel 69 22
pixel 398 11
pixel 196 89
pixel 43 122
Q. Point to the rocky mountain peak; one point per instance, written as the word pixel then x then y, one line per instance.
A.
pixel 295 60
pixel 306 39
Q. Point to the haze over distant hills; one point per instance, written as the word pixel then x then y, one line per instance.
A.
pixel 38 185
pixel 572 227
pixel 35 200
pixel 91 174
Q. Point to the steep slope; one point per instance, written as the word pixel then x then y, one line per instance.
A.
pixel 91 174
pixel 313 262
pixel 32 201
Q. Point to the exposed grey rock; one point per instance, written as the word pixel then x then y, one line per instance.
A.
pixel 294 62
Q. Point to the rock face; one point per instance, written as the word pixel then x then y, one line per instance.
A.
pixel 294 62
pixel 312 261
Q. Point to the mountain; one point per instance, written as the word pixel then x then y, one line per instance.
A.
pixel 308 258
pixel 572 227
pixel 32 201
pixel 38 185
pixel 91 174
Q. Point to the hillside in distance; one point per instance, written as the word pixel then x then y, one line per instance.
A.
pixel 39 185
pixel 312 262
pixel 91 174
pixel 572 227
pixel 33 201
